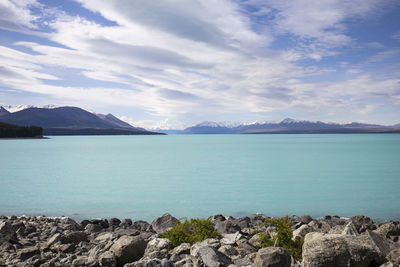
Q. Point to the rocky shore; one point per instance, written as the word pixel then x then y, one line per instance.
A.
pixel 331 241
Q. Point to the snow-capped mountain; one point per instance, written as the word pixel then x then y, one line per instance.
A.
pixel 16 108
pixel 287 125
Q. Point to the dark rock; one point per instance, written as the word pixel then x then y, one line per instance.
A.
pixel 114 221
pixel 219 217
pixel 26 253
pixel 126 222
pixel 128 249
pixel 394 256
pixel 226 227
pixel 257 220
pixel 272 257
pixel 243 222
pixel 93 228
pixel 84 223
pixel 75 237
pixel 213 258
pixel 142 226
pixel 7 233
pixel 362 223
pixel 163 223
pixel 388 229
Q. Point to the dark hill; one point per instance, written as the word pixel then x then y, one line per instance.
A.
pixel 13 131
pixel 71 121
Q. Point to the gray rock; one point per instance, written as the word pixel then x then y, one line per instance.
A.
pixel 254 240
pixel 142 226
pixel 7 233
pixel 350 229
pixel 114 222
pixel 163 223
pixel 26 253
pixel 272 257
pixel 75 237
pixel 210 242
pixel 228 250
pixel 128 249
pixel 243 222
pixel 157 244
pixel 126 222
pixel 213 258
pixel 107 259
pixel 362 223
pixel 183 248
pixel 301 232
pixel 389 264
pixel 226 227
pixel 230 239
pixel 338 250
pixel 93 228
pixel 394 256
pixel 388 229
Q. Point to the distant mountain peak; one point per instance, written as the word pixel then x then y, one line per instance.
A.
pixel 289 120
pixel 3 111
pixel 16 108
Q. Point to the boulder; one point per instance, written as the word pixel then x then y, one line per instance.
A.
pixel 362 223
pixel 394 256
pixel 142 226
pixel 210 242
pixel 163 223
pixel 339 250
pixel 272 257
pixel 226 227
pixel 350 229
pixel 388 229
pixel 7 233
pixel 114 222
pixel 230 239
pixel 27 253
pixel 107 259
pixel 301 232
pixel 75 237
pixel 213 258
pixel 128 249
pixel 183 248
pixel 157 248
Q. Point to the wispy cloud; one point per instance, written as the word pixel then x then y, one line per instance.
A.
pixel 174 59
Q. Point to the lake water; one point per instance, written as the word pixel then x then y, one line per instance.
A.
pixel 142 177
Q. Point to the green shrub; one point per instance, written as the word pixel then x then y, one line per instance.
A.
pixel 283 237
pixel 192 231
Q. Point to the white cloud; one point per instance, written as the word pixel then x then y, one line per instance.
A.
pixel 175 59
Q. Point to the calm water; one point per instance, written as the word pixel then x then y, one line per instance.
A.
pixel 142 177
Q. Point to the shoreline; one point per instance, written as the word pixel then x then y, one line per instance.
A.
pixel 62 241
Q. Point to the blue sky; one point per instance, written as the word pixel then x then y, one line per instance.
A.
pixel 172 64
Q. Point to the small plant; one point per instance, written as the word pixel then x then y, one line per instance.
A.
pixel 283 237
pixel 191 231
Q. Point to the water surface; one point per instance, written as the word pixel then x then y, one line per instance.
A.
pixel 142 177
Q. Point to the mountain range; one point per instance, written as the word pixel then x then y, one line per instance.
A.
pixel 68 121
pixel 287 125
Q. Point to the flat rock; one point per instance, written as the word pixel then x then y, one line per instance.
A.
pixel 338 250
pixel 272 257
pixel 213 258
pixel 230 239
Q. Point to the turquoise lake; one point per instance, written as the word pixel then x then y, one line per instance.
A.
pixel 142 177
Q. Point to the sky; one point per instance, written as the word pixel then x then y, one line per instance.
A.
pixel 174 63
